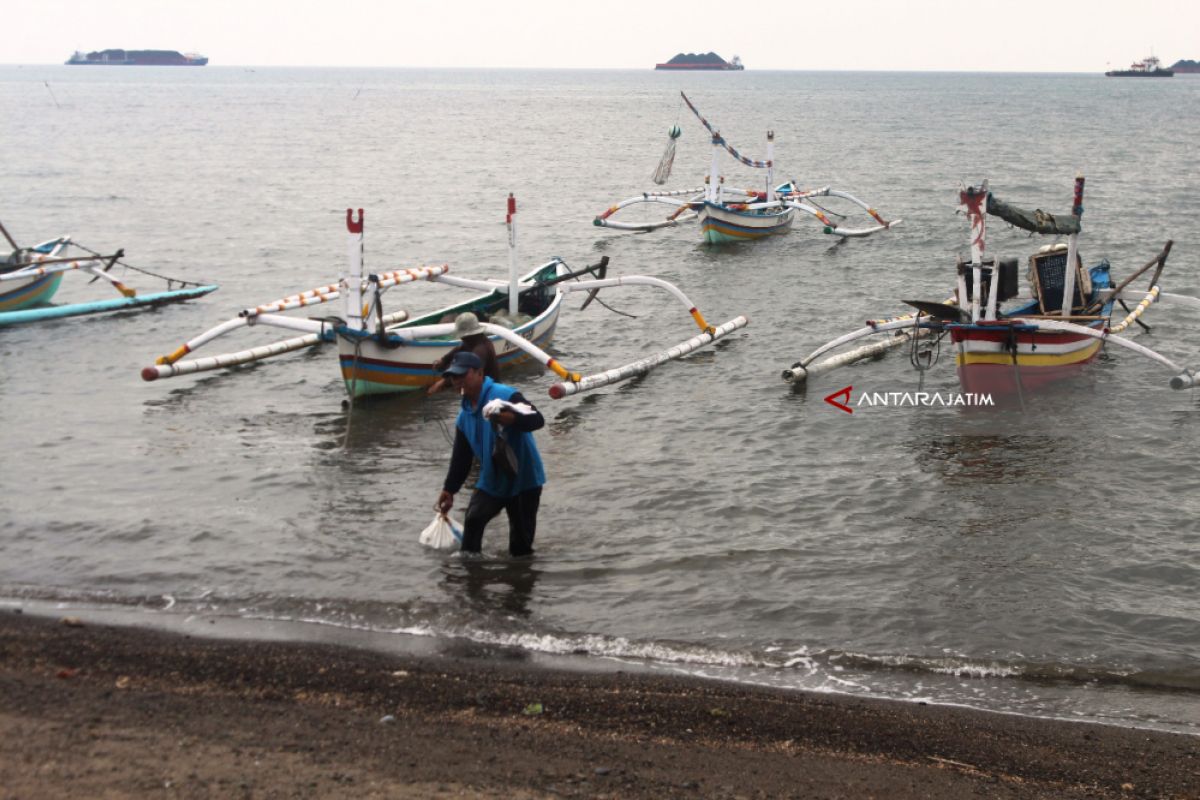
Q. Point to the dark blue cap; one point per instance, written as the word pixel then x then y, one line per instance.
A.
pixel 462 362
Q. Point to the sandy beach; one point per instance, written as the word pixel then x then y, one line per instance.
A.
pixel 91 710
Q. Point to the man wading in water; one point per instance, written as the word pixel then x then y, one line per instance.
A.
pixel 512 484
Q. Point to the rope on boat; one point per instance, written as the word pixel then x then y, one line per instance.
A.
pixel 171 282
pixel 1147 301
pixel 717 138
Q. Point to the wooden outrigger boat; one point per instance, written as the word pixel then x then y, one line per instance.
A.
pixel 729 214
pixel 1028 342
pixel 382 353
pixel 29 278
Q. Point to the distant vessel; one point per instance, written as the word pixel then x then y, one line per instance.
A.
pixel 695 61
pixel 138 58
pixel 1150 68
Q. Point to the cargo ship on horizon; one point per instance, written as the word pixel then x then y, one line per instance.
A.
pixel 1148 68
pixel 137 58
pixel 702 61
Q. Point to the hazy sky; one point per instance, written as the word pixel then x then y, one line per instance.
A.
pixel 1001 35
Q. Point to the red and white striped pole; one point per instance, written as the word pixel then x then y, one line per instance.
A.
pixel 513 291
pixel 352 278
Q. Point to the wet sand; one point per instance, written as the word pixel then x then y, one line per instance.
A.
pixel 90 710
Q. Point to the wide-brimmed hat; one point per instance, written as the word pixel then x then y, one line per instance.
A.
pixel 462 362
pixel 467 324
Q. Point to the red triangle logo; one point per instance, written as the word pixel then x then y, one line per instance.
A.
pixel 843 393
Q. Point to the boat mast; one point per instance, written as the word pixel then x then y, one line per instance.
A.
pixel 352 279
pixel 713 180
pixel 974 198
pixel 1072 251
pixel 771 166
pixel 513 278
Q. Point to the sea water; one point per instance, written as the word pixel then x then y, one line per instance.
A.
pixel 704 519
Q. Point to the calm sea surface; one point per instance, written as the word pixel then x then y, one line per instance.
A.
pixel 704 519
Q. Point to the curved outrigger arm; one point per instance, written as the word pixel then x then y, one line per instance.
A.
pixel 644 365
pixel 574 384
pixel 1182 299
pixel 640 280
pixel 1183 379
pixel 682 199
pixel 907 327
pixel 801 370
pixel 796 200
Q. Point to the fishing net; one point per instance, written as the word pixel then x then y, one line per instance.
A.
pixel 668 157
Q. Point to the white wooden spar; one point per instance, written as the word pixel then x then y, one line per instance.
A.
pixel 708 335
pixel 27 271
pixel 565 389
pixel 1171 297
pixel 1184 379
pixel 351 281
pixel 1068 301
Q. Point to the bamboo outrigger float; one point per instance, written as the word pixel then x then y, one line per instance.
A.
pixel 729 214
pixel 1029 342
pixel 29 278
pixel 383 353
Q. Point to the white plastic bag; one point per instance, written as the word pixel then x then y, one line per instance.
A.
pixel 442 534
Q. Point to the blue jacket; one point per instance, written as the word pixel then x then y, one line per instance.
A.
pixel 476 436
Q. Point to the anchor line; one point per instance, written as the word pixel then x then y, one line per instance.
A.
pixel 171 282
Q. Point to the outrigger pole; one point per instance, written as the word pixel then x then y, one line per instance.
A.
pixel 644 365
pixel 906 326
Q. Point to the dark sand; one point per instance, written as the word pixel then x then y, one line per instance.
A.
pixel 90 711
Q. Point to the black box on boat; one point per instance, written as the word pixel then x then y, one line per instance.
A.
pixel 1007 283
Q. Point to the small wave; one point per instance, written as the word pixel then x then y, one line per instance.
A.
pixel 1183 679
